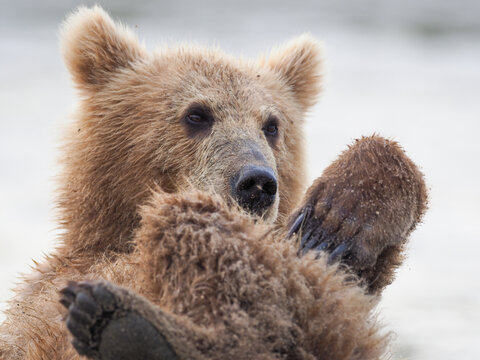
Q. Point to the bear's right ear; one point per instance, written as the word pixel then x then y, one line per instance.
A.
pixel 94 47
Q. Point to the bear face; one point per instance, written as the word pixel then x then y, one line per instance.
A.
pixel 182 117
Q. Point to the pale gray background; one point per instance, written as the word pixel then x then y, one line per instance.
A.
pixel 406 69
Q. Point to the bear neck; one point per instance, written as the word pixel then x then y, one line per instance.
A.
pixel 94 211
pixel 95 224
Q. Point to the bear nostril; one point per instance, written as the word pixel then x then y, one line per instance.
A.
pixel 255 188
pixel 246 184
pixel 270 187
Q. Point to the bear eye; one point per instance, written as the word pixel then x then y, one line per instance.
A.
pixel 270 129
pixel 197 119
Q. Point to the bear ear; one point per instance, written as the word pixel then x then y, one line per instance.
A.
pixel 300 63
pixel 94 47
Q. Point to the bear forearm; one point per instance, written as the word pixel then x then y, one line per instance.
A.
pixel 362 209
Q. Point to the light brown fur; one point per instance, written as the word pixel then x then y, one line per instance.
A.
pixel 222 284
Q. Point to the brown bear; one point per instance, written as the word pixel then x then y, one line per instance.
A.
pixel 181 174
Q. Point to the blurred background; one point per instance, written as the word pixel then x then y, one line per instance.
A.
pixel 408 70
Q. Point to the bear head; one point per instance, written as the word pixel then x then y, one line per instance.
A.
pixel 181 117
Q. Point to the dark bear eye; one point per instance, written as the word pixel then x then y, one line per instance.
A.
pixel 197 119
pixel 270 129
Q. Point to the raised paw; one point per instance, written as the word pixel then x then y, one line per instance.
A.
pixel 362 209
pixel 104 327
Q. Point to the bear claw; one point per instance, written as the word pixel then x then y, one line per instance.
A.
pixel 315 235
pixel 297 224
pixel 337 254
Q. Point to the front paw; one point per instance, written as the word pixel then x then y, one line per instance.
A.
pixel 91 306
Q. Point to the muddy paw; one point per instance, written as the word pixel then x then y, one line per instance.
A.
pixel 104 327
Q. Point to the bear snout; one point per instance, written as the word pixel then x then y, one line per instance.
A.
pixel 255 188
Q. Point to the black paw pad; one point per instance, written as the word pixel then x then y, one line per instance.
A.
pixel 90 308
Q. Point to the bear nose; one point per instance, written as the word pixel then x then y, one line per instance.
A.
pixel 254 188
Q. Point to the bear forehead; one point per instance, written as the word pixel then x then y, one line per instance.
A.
pixel 216 78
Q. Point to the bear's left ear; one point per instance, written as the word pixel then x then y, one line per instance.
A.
pixel 94 47
pixel 300 64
